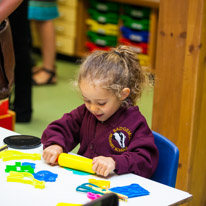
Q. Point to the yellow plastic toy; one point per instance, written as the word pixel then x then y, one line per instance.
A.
pixel 19 177
pixel 7 155
pixel 68 204
pixel 76 162
pixel 101 183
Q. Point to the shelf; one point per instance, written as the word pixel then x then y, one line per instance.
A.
pixel 83 5
pixel 147 3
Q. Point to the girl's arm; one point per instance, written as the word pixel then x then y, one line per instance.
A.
pixel 7 7
pixel 141 157
pixel 65 131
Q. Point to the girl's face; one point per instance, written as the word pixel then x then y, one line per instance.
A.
pixel 100 102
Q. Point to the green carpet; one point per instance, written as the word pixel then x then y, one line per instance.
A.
pixel 52 101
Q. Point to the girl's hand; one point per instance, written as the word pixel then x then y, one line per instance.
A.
pixel 103 165
pixel 51 153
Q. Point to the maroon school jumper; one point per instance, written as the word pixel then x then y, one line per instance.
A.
pixel 125 137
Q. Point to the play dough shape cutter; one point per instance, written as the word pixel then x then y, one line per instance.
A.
pixel 101 183
pixel 26 178
pixel 7 155
pixel 18 167
pixel 133 190
pixel 45 175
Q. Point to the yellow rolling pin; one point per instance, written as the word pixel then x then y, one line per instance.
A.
pixel 76 162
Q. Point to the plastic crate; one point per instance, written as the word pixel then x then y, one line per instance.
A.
pixel 103 17
pixel 92 47
pixel 4 106
pixel 137 36
pixel 137 12
pixel 102 40
pixel 137 24
pixel 106 29
pixel 8 120
pixel 141 47
pixel 104 6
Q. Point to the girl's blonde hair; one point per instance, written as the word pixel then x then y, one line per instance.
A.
pixel 115 70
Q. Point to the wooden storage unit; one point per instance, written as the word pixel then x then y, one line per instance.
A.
pixel 81 50
pixel 65 27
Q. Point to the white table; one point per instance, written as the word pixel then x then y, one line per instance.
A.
pixel 63 190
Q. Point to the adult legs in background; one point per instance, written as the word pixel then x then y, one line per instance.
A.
pixel 43 13
pixel 46 33
pixel 22 104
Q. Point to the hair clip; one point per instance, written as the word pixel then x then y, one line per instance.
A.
pixel 117 53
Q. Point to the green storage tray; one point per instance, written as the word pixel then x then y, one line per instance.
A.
pixel 137 12
pixel 102 40
pixel 108 17
pixel 137 24
pixel 104 6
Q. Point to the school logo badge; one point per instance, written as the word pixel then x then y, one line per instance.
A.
pixel 119 138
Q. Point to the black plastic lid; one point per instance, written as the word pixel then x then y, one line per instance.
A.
pixel 22 141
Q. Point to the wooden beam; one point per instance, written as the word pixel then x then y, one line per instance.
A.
pixel 195 62
pixel 153 38
pixel 179 108
pixel 147 3
pixel 81 28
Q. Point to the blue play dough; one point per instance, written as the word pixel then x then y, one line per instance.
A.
pixel 45 175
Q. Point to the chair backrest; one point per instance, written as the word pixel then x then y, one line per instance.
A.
pixel 166 171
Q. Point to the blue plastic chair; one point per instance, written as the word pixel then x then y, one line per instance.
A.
pixel 166 171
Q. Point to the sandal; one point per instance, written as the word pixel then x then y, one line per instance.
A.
pixel 50 80
pixel 35 69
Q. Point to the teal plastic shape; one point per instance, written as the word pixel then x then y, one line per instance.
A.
pixel 137 24
pixel 102 40
pixel 18 167
pixel 104 6
pixel 77 172
pixel 104 18
pixel 137 12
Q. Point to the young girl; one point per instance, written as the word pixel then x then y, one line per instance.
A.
pixel 109 127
